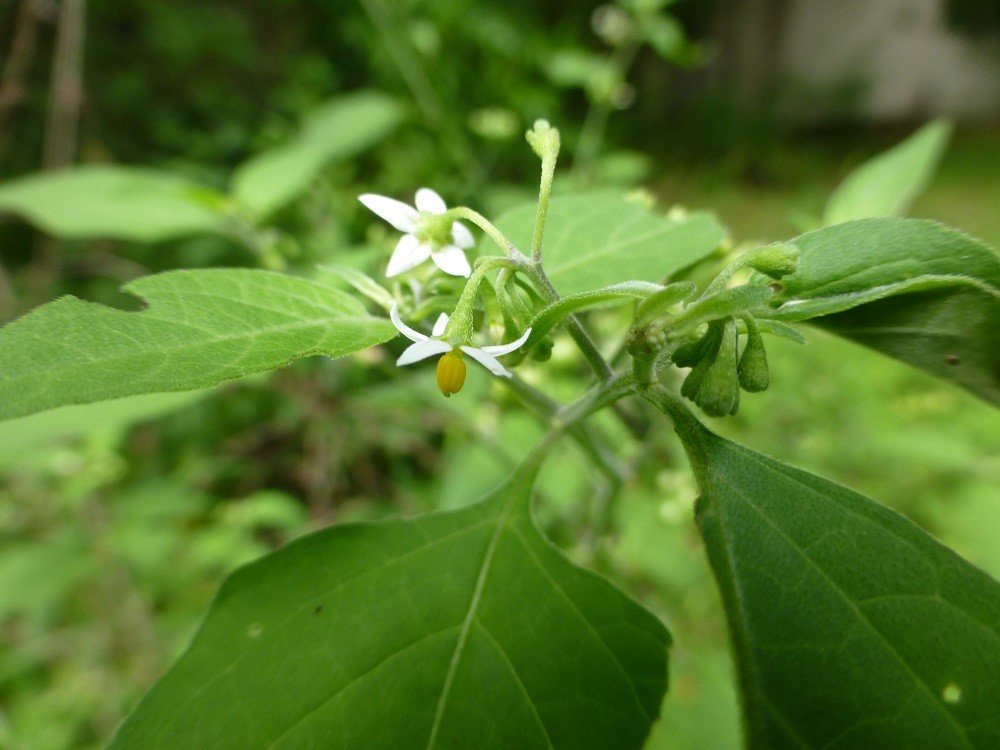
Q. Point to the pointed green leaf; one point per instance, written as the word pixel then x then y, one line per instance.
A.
pixel 127 203
pixel 663 302
pixel 852 628
pixel 339 129
pixel 734 301
pixel 456 629
pixel 599 239
pixel 915 290
pixel 549 317
pixel 889 183
pixel 199 328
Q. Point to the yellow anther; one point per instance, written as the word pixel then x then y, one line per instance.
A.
pixel 451 372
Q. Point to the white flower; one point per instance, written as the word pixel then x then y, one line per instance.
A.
pixel 451 377
pixel 425 235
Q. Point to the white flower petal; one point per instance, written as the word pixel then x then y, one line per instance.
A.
pixel 428 200
pixel 462 236
pixel 451 259
pixel 440 324
pixel 502 349
pixel 422 350
pixel 402 327
pixel 397 213
pixel 488 361
pixel 409 253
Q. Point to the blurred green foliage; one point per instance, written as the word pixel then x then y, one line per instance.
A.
pixel 118 521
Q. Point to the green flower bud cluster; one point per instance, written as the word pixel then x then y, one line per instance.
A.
pixel 720 368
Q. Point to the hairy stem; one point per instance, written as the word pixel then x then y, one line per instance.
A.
pixel 568 418
pixel 591 444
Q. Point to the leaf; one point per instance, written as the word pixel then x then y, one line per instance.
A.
pixel 851 627
pixel 126 203
pixel 337 130
pixel 454 629
pixel 914 290
pixel 737 300
pixel 663 301
pixel 889 183
pixel 599 239
pixel 550 316
pixel 200 328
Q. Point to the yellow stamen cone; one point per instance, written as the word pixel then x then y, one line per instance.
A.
pixel 451 372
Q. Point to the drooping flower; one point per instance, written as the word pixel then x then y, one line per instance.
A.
pixel 426 234
pixel 450 367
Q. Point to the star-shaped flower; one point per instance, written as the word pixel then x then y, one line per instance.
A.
pixel 451 367
pixel 426 234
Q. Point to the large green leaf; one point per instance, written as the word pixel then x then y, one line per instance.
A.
pixel 852 628
pixel 339 129
pixel 599 239
pixel 451 630
pixel 889 183
pixel 106 201
pixel 200 328
pixel 915 290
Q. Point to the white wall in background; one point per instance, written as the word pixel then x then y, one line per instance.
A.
pixel 914 65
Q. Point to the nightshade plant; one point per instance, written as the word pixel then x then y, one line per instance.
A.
pixel 851 627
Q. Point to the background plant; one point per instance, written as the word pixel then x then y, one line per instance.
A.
pixel 283 432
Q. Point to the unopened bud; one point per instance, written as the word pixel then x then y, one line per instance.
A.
pixel 719 391
pixel 709 347
pixel 775 260
pixel 542 351
pixel 752 370
pixel 543 139
pixel 689 354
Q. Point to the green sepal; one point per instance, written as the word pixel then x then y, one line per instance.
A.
pixel 781 330
pixel 752 369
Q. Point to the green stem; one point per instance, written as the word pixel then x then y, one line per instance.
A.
pixel 567 419
pixel 544 193
pixel 573 325
pixel 518 261
pixel 687 426
pixel 591 444
pixel 513 254
pixel 460 326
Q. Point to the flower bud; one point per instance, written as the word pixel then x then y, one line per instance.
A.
pixel 752 370
pixel 689 354
pixel 543 139
pixel 542 351
pixel 775 260
pixel 709 347
pixel 719 392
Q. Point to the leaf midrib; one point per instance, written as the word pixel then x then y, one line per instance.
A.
pixel 843 595
pixel 324 594
pixel 251 337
